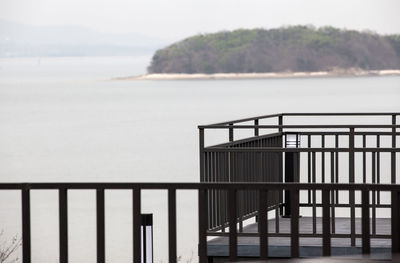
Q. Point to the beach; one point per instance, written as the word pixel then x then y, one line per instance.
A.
pixel 270 75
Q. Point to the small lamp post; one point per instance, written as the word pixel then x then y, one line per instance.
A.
pixel 292 166
pixel 146 230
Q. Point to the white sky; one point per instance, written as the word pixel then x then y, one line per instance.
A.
pixel 174 19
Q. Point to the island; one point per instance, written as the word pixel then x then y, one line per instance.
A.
pixel 295 51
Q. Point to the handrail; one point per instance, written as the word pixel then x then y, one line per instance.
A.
pixel 199 186
pixel 202 188
pixel 302 114
pixel 277 149
pixel 338 126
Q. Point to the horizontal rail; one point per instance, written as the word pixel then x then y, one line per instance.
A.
pixel 250 139
pixel 372 133
pixel 332 114
pixel 336 126
pixel 341 114
pixel 201 186
pixel 276 149
pixel 306 235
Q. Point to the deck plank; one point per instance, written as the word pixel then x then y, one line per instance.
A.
pixel 280 246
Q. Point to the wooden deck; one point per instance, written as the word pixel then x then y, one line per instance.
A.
pixel 309 247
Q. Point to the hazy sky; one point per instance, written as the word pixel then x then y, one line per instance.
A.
pixel 172 19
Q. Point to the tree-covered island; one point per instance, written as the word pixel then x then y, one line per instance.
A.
pixel 287 49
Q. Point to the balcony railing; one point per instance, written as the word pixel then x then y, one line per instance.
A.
pixel 250 176
pixel 326 152
pixel 261 189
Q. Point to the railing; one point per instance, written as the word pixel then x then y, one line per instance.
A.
pixel 259 159
pixel 328 153
pixel 262 190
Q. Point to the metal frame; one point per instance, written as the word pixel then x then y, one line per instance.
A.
pixel 208 191
pixel 247 148
pixel 202 188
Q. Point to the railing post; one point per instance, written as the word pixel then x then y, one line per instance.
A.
pixel 63 224
pixel 395 222
pixel 100 225
pixel 137 249
pixel 256 130
pixel 26 225
pixel 294 223
pixel 202 225
pixel 365 223
pixel 231 132
pixel 280 123
pixel 326 224
pixel 232 225
pixel 292 170
pixel 393 155
pixel 351 192
pixel 172 225
pixel 263 224
pixel 201 147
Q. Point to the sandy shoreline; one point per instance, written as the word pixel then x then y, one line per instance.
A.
pixel 350 73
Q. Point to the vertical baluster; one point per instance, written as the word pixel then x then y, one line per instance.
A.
pixel 373 193
pixel 223 193
pixel 294 223
pixel 378 168
pixel 326 232
pixel 337 166
pixel 213 196
pixel 351 192
pixel 172 225
pixel 366 244
pixel 393 154
pixel 63 224
pixel 309 167
pixel 100 225
pixel 395 222
pixel 202 213
pixel 26 225
pixel 323 159
pixel 333 193
pixel 364 160
pixel 201 154
pixel 314 201
pixel 256 131
pixel 217 192
pixel 207 162
pixel 137 248
pixel 232 225
pixel 263 224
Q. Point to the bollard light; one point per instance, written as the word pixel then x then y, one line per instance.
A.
pixel 292 140
pixel 146 230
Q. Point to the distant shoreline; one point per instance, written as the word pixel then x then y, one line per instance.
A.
pixel 270 75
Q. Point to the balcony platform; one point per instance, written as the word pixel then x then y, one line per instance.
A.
pixel 279 247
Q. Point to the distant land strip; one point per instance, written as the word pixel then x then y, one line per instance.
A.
pixel 269 75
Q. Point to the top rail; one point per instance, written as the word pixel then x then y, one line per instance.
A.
pixel 338 126
pixel 201 186
pixel 301 114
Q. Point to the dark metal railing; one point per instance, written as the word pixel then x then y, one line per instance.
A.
pixel 236 184
pixel 326 150
pixel 232 189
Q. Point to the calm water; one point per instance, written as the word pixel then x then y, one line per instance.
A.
pixel 62 119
